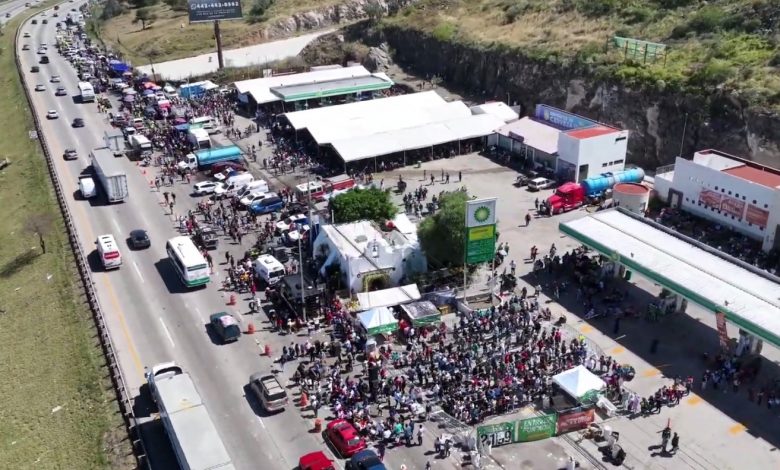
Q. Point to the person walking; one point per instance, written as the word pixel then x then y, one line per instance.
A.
pixel 675 443
pixel 527 219
pixel 665 435
pixel 460 178
pixel 420 435
pixel 513 266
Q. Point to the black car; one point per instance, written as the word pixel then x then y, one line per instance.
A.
pixel 225 326
pixel 34 21
pixel 206 237
pixel 78 122
pixel 45 59
pixel 139 239
pixel 70 154
pixel 45 21
pixel 34 69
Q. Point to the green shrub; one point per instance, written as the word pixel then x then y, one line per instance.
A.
pixel 258 10
pixel 714 72
pixel 637 14
pixel 709 19
pixel 594 8
pixel 444 31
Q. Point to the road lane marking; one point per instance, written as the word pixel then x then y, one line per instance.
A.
pixel 585 329
pixel 694 400
pixel 167 332
pixel 138 270
pixel 652 372
pixel 261 422
pixel 116 224
pixel 618 350
pixel 123 324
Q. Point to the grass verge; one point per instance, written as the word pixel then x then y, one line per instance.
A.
pixel 56 403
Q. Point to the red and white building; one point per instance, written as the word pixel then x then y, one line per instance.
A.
pixel 729 190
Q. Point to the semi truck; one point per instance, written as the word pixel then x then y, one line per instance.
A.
pixel 110 173
pixel 572 195
pixel 186 420
pixel 203 159
pixel 141 145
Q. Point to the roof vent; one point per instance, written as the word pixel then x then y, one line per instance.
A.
pixel 361 239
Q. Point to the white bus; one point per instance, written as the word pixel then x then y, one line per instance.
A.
pixel 189 263
pixel 87 92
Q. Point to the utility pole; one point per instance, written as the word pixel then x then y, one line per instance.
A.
pixel 218 37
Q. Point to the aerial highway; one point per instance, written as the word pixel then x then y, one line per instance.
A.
pixel 151 318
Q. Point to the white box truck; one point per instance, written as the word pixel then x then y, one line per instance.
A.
pixel 110 173
pixel 186 420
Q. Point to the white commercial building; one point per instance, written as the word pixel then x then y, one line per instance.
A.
pixel 725 189
pixel 370 259
pixel 572 146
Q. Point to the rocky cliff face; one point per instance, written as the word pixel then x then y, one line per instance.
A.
pixel 344 12
pixel 656 119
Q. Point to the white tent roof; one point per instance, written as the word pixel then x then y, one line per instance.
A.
pixel 578 381
pixel 498 109
pixel 365 109
pixel 260 88
pixel 388 297
pixel 535 134
pixel 419 137
pixel 399 117
pixel 376 317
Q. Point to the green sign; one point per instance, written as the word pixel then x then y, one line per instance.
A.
pixel 495 435
pixel 480 244
pixel 538 427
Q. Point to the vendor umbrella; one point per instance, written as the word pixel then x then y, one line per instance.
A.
pixel 129 98
pixel 148 92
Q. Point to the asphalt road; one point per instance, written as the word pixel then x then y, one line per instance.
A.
pixel 13 7
pixel 150 317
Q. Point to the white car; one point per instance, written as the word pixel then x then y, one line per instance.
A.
pixel 52 114
pixel 55 79
pixel 27 35
pixel 223 175
pixel 205 187
pixel 247 201
pixel 540 183
pixel 40 87
pixel 284 225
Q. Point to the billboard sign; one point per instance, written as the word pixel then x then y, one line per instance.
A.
pixel 481 212
pixel 732 206
pixel 575 420
pixel 757 216
pixel 723 332
pixel 561 118
pixel 210 10
pixel 480 244
pixel 536 428
pixel 710 198
pixel 495 435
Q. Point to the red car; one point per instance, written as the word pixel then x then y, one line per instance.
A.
pixel 221 166
pixel 344 437
pixel 315 461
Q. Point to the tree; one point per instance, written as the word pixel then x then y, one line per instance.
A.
pixel 442 236
pixel 363 204
pixel 259 8
pixel 41 225
pixel 145 17
pixel 374 11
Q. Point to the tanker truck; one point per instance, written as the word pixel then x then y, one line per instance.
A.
pixel 571 195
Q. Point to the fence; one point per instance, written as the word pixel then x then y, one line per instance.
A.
pixel 117 379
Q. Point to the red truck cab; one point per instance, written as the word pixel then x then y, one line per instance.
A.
pixel 320 188
pixel 568 196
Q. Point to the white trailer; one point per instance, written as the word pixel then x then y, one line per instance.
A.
pixel 186 419
pixel 110 173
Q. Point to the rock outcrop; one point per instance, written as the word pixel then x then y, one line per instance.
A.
pixel 660 122
pixel 334 15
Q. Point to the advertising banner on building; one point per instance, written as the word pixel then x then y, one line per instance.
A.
pixel 575 420
pixel 481 212
pixel 710 198
pixel 495 435
pixel 210 10
pixel 756 216
pixel 536 428
pixel 561 118
pixel 480 244
pixel 732 206
pixel 723 333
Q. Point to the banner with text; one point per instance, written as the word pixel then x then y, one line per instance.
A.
pixel 210 10
pixel 575 420
pixel 536 428
pixel 710 198
pixel 732 206
pixel 723 333
pixel 756 216
pixel 495 435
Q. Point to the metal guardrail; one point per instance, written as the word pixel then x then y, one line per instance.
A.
pixel 118 380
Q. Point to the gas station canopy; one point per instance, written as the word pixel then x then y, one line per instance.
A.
pixel 747 296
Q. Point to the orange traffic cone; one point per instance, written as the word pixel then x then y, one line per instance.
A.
pixel 250 329
pixel 318 425
pixel 267 350
pixel 304 400
pixel 232 299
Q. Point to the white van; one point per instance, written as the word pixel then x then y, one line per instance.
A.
pixel 108 252
pixel 537 184
pixel 269 270
pixel 204 122
pixel 231 186
pixel 254 186
pixel 87 187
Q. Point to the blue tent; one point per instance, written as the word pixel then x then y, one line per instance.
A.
pixel 118 67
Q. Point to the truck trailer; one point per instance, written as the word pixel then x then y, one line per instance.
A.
pixel 203 159
pixel 110 173
pixel 571 195
pixel 186 420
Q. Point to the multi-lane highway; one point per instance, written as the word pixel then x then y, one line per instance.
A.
pixel 12 8
pixel 151 319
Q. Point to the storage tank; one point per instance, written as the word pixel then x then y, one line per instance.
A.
pixel 631 196
pixel 598 184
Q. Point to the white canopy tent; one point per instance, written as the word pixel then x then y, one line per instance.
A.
pixel 260 88
pixel 388 297
pixel 579 382
pixel 378 320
